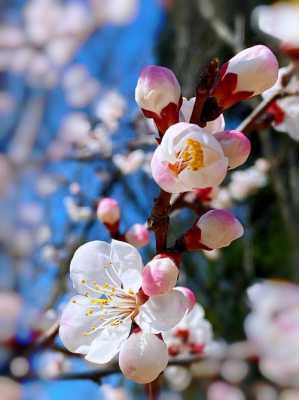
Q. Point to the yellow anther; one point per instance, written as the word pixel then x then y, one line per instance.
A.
pixel 191 157
pixel 83 281
pixel 89 312
pixel 100 301
pixel 193 154
pixel 116 322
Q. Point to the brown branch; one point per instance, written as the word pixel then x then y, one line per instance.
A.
pixel 97 374
pixel 158 221
pixel 203 89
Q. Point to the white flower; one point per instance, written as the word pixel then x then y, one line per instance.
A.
pixel 76 212
pixel 280 21
pixel 190 335
pixel 99 319
pixel 246 182
pixel 286 110
pixel 188 158
pixel 178 377
pixel 129 163
pixel 223 391
pixel 273 327
pixel 110 109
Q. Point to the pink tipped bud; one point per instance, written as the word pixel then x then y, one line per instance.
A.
pixel 189 295
pixel 247 74
pixel 108 211
pixel 156 88
pixel 219 228
pixel 159 276
pixel 158 94
pixel 142 357
pixel 236 147
pixel 137 235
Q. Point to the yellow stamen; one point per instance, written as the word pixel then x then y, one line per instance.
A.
pixel 191 157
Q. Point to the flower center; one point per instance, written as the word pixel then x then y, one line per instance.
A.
pixel 109 305
pixel 190 157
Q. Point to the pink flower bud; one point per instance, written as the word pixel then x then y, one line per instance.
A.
pixel 108 211
pixel 236 147
pixel 137 235
pixel 219 228
pixel 142 357
pixel 189 295
pixel 159 276
pixel 158 94
pixel 247 74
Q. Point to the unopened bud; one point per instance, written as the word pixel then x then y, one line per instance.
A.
pixel 159 276
pixel 189 295
pixel 214 230
pixel 142 357
pixel 236 147
pixel 158 94
pixel 219 228
pixel 108 211
pixel 247 74
pixel 137 235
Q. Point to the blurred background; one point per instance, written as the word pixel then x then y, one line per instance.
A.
pixel 71 133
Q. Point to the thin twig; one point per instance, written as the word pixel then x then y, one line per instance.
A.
pixel 249 123
pixel 97 374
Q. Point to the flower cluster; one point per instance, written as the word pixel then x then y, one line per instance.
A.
pixel 137 312
pixel 51 31
pixel 195 151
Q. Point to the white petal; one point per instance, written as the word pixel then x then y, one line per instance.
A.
pixel 217 125
pixel 209 176
pixel 74 323
pixel 162 174
pixel 203 333
pixel 107 344
pixel 162 313
pixel 187 108
pixel 128 264
pixel 89 263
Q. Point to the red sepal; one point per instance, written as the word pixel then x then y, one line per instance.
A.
pixel 204 194
pixel 290 51
pixel 192 239
pixel 225 88
pixel 168 117
pixel 113 228
pixel 197 348
pixel 182 334
pixel 277 112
